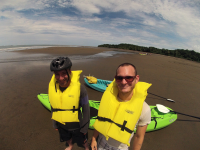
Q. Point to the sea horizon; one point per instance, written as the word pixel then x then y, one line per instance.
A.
pixel 10 54
pixel 5 48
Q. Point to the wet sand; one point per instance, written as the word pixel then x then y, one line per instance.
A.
pixel 26 125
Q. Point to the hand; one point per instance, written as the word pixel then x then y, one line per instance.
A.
pixel 94 144
pixel 85 137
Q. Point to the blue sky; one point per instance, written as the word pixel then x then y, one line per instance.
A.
pixel 170 24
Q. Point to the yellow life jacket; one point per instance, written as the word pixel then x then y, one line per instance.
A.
pixel 118 119
pixel 65 104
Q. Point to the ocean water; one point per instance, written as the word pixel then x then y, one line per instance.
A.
pixel 8 54
pixel 24 47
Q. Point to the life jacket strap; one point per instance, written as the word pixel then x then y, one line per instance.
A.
pixel 123 127
pixel 55 109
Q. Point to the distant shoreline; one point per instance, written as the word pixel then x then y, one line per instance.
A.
pixel 83 50
pixel 13 48
pixel 178 53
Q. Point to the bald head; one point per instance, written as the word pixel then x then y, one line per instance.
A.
pixel 127 64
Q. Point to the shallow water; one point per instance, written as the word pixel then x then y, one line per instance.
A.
pixel 8 57
pixel 25 47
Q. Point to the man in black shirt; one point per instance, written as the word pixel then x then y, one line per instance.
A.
pixel 67 96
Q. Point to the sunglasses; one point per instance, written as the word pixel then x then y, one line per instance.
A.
pixel 127 78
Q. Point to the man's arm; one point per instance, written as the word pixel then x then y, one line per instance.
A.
pixel 143 122
pixel 139 137
pixel 84 103
pixel 94 140
pixel 54 122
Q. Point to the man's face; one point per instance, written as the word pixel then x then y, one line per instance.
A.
pixel 62 77
pixel 124 86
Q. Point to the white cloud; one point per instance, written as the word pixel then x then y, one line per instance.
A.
pixel 158 23
pixel 86 7
pixel 186 18
pixel 22 4
pixel 94 19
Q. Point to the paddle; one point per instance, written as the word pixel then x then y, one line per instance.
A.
pixel 162 97
pixel 165 110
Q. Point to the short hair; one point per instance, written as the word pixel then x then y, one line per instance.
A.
pixel 127 64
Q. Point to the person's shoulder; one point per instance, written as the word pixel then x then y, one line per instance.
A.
pixel 83 88
pixel 146 107
pixel 146 112
pixel 83 91
pixel 145 117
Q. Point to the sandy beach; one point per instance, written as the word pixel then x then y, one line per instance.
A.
pixel 26 124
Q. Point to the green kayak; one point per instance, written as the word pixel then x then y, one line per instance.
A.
pixel 158 120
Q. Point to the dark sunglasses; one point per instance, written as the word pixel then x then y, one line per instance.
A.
pixel 127 78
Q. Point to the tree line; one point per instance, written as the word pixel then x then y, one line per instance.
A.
pixel 180 53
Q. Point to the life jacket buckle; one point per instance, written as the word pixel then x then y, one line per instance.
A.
pixel 123 126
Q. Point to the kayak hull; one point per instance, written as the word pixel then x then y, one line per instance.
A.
pixel 100 86
pixel 158 120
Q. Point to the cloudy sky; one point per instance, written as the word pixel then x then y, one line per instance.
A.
pixel 171 24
